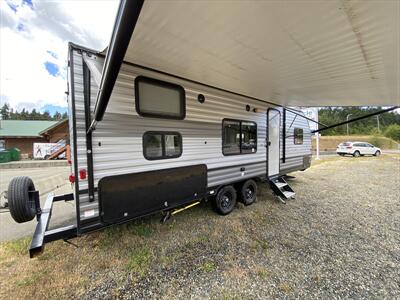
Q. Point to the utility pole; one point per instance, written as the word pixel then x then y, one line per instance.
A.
pixel 377 120
pixel 347 125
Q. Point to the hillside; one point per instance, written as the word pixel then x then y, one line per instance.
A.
pixel 329 143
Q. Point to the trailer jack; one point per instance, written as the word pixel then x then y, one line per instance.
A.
pixel 167 215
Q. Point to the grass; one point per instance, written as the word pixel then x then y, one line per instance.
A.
pixel 208 267
pixel 198 247
pixel 139 260
pixel 16 247
pixel 141 229
pixel 262 272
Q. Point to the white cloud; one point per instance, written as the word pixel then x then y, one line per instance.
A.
pixel 47 29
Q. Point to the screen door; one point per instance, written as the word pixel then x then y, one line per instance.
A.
pixel 274 119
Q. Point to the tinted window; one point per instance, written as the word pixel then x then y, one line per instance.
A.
pixel 231 137
pixel 298 136
pixel 239 137
pixel 161 145
pixel 155 98
pixel 249 137
pixel 172 145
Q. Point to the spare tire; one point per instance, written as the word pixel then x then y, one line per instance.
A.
pixel 20 202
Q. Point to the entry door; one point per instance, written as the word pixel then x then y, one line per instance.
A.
pixel 274 120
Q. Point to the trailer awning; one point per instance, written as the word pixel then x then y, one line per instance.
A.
pixel 292 53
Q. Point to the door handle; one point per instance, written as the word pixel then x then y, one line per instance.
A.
pixel 269 143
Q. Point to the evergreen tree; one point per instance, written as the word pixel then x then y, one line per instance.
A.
pixel 5 111
pixel 57 116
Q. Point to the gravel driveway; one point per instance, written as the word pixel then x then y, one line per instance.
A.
pixel 339 239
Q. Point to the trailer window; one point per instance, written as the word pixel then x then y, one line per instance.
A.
pixel 249 137
pixel 162 145
pixel 298 136
pixel 231 137
pixel 238 137
pixel 155 98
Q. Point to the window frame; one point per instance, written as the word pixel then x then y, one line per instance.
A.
pixel 240 134
pixel 163 134
pixel 160 83
pixel 295 136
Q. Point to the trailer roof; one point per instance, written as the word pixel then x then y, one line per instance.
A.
pixel 307 53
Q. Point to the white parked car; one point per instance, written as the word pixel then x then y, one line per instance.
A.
pixel 357 149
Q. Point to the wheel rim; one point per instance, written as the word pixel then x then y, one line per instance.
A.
pixel 249 192
pixel 31 201
pixel 357 154
pixel 226 200
pixel 377 153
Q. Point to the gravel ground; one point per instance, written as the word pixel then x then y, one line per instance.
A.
pixel 339 239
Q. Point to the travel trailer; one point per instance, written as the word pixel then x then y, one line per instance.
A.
pixel 169 116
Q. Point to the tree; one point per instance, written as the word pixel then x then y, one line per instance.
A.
pixel 368 126
pixel 46 116
pixel 5 111
pixel 34 115
pixel 57 116
pixel 393 132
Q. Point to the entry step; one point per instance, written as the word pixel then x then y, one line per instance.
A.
pixel 289 194
pixel 280 184
pixel 281 188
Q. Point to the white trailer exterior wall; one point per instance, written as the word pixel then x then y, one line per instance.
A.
pixel 117 140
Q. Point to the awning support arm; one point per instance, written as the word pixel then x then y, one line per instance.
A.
pixel 125 22
pixel 357 119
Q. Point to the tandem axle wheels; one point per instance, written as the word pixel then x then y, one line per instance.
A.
pixel 227 196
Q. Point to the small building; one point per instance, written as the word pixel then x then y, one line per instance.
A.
pixel 22 134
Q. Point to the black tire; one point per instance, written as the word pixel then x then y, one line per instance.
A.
pixel 248 192
pixel 20 202
pixel 225 200
pixel 377 153
pixel 356 153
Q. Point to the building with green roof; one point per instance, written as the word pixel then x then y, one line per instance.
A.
pixel 22 134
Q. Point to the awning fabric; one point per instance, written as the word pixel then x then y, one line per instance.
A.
pixel 293 53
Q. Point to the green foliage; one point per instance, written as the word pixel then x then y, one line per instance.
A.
pixel 139 260
pixel 368 126
pixel 8 113
pixel 140 229
pixel 393 132
pixel 376 141
pixel 18 247
pixel 208 267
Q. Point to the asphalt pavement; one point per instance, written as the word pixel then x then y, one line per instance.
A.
pixel 47 180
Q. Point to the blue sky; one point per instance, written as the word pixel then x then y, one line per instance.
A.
pixel 34 38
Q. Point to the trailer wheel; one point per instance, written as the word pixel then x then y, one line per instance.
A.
pixel 20 201
pixel 248 192
pixel 225 200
